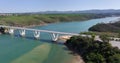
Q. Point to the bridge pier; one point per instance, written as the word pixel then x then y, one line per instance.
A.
pixel 22 32
pixel 36 35
pixel 11 31
pixel 55 37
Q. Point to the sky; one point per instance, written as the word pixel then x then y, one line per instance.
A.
pixel 13 6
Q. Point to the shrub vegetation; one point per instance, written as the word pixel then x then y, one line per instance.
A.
pixel 94 51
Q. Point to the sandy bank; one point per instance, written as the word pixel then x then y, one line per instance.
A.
pixel 77 59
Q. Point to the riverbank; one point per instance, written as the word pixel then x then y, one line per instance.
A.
pixel 43 19
pixel 77 59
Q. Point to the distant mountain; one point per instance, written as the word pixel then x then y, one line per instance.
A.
pixel 95 11
pixel 77 12
pixel 101 11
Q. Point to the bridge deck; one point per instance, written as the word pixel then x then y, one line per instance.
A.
pixel 40 30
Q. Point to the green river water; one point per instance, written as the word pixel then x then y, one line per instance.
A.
pixel 14 49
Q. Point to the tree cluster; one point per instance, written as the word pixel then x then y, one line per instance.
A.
pixel 2 30
pixel 109 27
pixel 93 51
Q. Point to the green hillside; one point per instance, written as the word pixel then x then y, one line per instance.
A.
pixel 110 27
pixel 41 19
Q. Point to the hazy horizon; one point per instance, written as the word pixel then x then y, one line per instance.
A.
pixel 21 6
pixel 58 11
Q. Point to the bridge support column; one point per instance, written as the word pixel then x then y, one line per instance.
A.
pixel 55 37
pixel 22 32
pixel 11 31
pixel 36 35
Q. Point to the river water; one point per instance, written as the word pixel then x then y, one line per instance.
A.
pixel 14 49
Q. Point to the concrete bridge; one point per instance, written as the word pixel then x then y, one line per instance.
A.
pixel 36 32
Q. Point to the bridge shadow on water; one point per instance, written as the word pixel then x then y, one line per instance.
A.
pixel 41 40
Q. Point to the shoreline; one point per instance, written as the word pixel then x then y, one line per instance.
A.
pixel 29 26
pixel 34 25
pixel 43 23
pixel 77 59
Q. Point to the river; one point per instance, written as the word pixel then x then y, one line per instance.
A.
pixel 14 49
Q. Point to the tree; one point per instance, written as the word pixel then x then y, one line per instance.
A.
pixel 95 58
pixel 114 59
pixel 93 36
pixel 119 35
pixel 104 38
